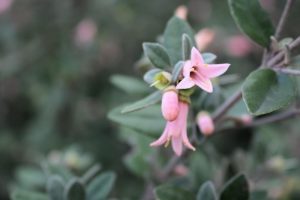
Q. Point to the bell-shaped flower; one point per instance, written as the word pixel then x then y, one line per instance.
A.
pixel 176 132
pixel 196 72
pixel 170 104
pixel 205 123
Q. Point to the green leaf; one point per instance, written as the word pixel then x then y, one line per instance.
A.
pixel 207 192
pixel 148 120
pixel 149 75
pixel 28 195
pixel 100 186
pixel 187 45
pixel 265 91
pixel 143 103
pixel 55 187
pixel 236 188
pixel 176 71
pixel 252 20
pixel 172 38
pixel 129 84
pixel 74 190
pixel 209 57
pixel 168 192
pixel 157 54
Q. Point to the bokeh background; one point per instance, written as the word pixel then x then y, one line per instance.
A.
pixel 56 62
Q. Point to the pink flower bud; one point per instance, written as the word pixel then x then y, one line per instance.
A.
pixel 5 5
pixel 205 123
pixel 169 104
pixel 181 12
pixel 238 46
pixel 246 119
pixel 204 38
pixel 85 32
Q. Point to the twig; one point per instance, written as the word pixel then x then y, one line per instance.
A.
pixel 289 71
pixel 283 18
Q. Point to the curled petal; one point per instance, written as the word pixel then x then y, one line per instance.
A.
pixel 196 57
pixel 177 145
pixel 185 83
pixel 203 83
pixel 162 139
pixel 214 70
pixel 186 141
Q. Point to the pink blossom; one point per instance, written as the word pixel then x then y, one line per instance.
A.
pixel 181 170
pixel 85 32
pixel 176 132
pixel 238 46
pixel 181 12
pixel 204 38
pixel 170 104
pixel 205 123
pixel 196 72
pixel 5 5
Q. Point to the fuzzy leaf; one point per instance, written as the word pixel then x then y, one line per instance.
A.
pixel 209 57
pixel 167 192
pixel 265 91
pixel 143 103
pixel 55 187
pixel 172 38
pixel 28 195
pixel 157 54
pixel 130 85
pixel 149 75
pixel 176 71
pixel 101 186
pixel 187 45
pixel 74 190
pixel 252 20
pixel 207 192
pixel 236 188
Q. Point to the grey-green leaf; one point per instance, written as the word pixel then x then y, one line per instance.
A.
pixel 236 188
pixel 28 195
pixel 168 192
pixel 74 190
pixel 143 103
pixel 55 187
pixel 128 84
pixel 149 75
pixel 207 192
pixel 176 71
pixel 187 45
pixel 265 91
pixel 252 20
pixel 101 186
pixel 157 54
pixel 209 57
pixel 172 38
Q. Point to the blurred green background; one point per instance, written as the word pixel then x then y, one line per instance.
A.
pixel 56 59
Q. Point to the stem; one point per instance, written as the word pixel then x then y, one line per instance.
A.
pixel 289 71
pixel 283 18
pixel 90 174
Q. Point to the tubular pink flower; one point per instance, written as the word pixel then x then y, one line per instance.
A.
pixel 196 72
pixel 176 132
pixel 205 123
pixel 169 104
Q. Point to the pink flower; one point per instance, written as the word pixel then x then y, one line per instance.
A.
pixel 169 104
pixel 204 38
pixel 85 32
pixel 5 5
pixel 205 123
pixel 176 131
pixel 181 12
pixel 196 72
pixel 238 46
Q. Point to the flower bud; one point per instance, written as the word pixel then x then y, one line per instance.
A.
pixel 205 123
pixel 170 104
pixel 162 80
pixel 181 12
pixel 246 119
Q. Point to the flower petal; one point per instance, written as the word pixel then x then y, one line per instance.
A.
pixel 177 145
pixel 163 138
pixel 203 82
pixel 185 83
pixel 214 70
pixel 186 141
pixel 196 57
pixel 187 68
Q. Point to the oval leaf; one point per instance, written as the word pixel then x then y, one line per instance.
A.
pixel 236 188
pixel 176 71
pixel 28 195
pixel 100 186
pixel 265 91
pixel 74 190
pixel 55 187
pixel 157 54
pixel 172 38
pixel 207 192
pixel 143 103
pixel 252 20
pixel 167 192
pixel 187 45
pixel 149 75
pixel 128 84
pixel 209 57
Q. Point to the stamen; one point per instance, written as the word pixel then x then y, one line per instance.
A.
pixel 167 143
pixel 153 84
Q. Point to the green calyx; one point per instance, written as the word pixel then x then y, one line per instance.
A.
pixel 162 80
